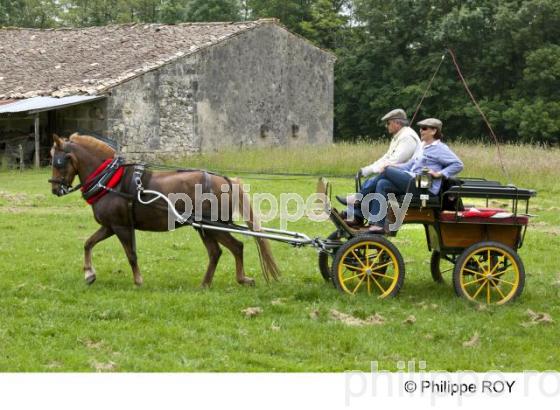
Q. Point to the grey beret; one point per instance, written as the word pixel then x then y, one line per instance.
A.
pixel 431 122
pixel 397 114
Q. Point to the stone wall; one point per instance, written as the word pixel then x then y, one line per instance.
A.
pixel 88 118
pixel 263 87
pixel 153 115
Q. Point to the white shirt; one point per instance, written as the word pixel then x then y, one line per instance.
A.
pixel 404 145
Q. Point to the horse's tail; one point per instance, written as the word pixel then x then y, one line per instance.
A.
pixel 268 264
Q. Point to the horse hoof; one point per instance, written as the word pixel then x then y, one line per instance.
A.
pixel 247 282
pixel 90 279
pixel 139 282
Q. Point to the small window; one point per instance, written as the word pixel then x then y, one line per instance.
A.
pixel 295 130
pixel 264 130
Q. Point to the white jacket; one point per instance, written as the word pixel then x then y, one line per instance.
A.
pixel 404 145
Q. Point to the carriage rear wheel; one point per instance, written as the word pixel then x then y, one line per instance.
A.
pixel 489 272
pixel 439 266
pixel 325 260
pixel 369 264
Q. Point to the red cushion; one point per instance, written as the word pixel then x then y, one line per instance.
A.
pixel 450 216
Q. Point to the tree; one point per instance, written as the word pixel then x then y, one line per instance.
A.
pixel 213 10
pixel 172 11
pixel 29 13
pixel 326 23
pixel 290 12
pixel 321 21
pixel 507 49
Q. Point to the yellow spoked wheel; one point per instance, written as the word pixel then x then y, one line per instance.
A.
pixel 489 272
pixel 369 264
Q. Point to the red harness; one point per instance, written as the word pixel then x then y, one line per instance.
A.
pixel 93 179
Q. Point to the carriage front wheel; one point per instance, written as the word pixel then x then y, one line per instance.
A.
pixel 489 272
pixel 369 264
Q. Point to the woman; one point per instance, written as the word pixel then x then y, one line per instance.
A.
pixel 434 155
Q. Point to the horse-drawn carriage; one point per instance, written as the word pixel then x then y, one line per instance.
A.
pixel 481 243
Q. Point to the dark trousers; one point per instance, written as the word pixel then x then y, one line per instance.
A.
pixel 391 180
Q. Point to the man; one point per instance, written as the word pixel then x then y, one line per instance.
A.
pixel 404 144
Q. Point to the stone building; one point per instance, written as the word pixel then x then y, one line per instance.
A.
pixel 166 90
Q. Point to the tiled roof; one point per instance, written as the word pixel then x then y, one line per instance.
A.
pixel 62 62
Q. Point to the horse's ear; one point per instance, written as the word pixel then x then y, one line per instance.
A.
pixel 58 141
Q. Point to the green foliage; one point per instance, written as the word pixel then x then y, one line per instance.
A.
pixel 508 51
pixel 321 21
pixel 290 12
pixel 28 13
pixel 172 11
pixel 212 10
pixel 101 12
pixel 326 23
pixel 541 76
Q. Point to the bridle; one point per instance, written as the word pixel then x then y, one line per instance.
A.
pixel 60 162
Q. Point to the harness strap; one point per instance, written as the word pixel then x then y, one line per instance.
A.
pixel 135 187
pixel 106 176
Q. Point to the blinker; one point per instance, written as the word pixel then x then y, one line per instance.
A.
pixel 60 161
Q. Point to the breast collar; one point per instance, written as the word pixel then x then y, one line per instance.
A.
pixel 103 179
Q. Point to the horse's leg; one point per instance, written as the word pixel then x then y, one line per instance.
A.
pixel 101 234
pixel 126 235
pixel 214 253
pixel 236 248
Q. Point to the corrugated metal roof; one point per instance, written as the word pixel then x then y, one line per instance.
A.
pixel 38 104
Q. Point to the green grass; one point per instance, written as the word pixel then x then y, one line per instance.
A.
pixel 51 321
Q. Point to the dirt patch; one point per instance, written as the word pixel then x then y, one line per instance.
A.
pixel 473 341
pixel 14 198
pixel 536 318
pixel 90 344
pixel 350 320
pixel 252 311
pixel 546 228
pixel 103 367
pixel 314 314
pixel 410 320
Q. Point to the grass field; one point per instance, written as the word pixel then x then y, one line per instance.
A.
pixel 50 320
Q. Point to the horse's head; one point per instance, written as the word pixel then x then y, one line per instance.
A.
pixel 64 166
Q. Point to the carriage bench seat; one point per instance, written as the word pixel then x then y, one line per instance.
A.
pixel 484 216
pixel 434 201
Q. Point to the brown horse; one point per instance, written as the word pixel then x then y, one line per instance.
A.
pixel 119 213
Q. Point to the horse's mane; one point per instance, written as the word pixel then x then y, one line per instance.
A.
pixel 93 144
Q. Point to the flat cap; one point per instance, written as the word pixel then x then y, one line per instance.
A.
pixel 431 122
pixel 397 114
